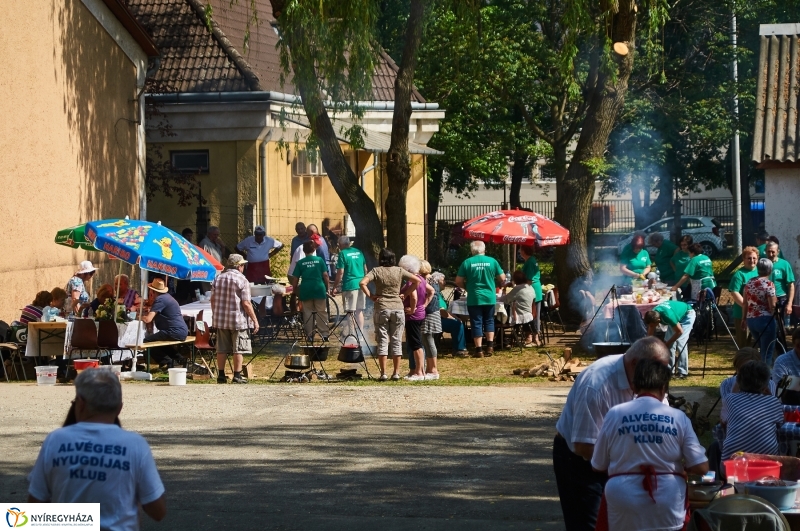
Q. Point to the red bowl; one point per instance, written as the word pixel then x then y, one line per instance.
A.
pixel 85 364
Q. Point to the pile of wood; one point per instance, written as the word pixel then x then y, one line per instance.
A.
pixel 564 369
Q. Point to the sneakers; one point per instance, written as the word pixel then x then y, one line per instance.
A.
pixel 414 378
pixel 238 380
pixel 222 379
pixel 383 378
pixel 395 377
pixel 461 354
pixel 429 376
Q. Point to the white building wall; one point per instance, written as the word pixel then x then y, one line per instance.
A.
pixel 782 194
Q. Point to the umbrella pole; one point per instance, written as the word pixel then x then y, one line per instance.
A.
pixel 116 292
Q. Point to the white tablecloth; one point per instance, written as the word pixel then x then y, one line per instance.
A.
pixel 127 333
pixel 193 308
pixel 459 309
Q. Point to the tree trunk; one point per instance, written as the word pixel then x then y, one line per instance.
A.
pixel 360 207
pixel 576 190
pixel 647 214
pixel 398 160
pixel 518 172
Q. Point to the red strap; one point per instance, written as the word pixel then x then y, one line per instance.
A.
pixel 650 481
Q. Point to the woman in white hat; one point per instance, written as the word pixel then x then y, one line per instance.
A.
pixel 76 287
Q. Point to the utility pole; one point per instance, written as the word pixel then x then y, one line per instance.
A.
pixel 737 180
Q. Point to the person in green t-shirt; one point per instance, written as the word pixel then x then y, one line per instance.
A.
pixel 311 273
pixel 666 250
pixel 783 278
pixel 679 262
pixel 480 275
pixel 350 269
pixel 699 270
pixel 762 239
pixel 741 277
pixel 679 318
pixel 531 270
pixel 634 260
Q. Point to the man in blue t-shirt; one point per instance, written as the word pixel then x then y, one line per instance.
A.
pixel 166 314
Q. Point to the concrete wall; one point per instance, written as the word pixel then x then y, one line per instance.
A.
pixel 782 189
pixel 67 147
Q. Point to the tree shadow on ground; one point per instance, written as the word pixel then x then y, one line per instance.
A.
pixel 361 467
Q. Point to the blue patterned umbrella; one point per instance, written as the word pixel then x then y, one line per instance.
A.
pixel 151 246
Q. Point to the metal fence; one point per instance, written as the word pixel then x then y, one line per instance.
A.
pixel 607 216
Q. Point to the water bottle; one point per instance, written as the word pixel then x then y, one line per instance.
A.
pixel 740 466
pixel 658 277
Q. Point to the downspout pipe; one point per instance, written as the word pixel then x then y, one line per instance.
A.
pixel 270 96
pixel 369 169
pixel 264 195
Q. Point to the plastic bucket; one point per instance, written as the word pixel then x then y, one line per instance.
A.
pixel 116 369
pixel 756 469
pixel 81 365
pixel 46 375
pixel 177 376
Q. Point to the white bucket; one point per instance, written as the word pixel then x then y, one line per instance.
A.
pixel 46 375
pixel 177 376
pixel 116 369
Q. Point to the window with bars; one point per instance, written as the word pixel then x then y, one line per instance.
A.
pixel 307 164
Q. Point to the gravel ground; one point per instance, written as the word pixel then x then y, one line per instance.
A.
pixel 327 456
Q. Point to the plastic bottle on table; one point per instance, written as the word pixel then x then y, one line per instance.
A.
pixel 740 466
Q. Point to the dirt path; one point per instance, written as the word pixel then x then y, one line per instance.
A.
pixel 324 456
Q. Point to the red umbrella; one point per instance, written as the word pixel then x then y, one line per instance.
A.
pixel 516 227
pixel 211 260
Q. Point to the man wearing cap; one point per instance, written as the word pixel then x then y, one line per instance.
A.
pixel 166 314
pixel 233 314
pixel 258 248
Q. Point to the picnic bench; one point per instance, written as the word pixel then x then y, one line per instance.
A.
pixel 145 347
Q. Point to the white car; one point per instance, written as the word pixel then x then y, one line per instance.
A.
pixel 704 230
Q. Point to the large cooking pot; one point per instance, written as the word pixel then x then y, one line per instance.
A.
pixel 608 348
pixel 350 352
pixel 297 362
pixel 316 352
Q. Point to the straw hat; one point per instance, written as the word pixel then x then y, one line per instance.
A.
pixel 158 286
pixel 85 267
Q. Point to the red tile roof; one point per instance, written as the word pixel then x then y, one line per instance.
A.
pixel 195 59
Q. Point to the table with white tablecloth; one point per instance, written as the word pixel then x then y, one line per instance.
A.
pixel 193 308
pixel 59 344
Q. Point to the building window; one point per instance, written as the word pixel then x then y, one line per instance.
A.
pixel 302 164
pixel 189 161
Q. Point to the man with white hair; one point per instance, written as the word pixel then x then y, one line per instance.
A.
pixel 96 461
pixel 604 384
pixel 480 275
pixel 350 269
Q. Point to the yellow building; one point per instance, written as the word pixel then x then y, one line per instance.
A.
pixel 71 138
pixel 229 116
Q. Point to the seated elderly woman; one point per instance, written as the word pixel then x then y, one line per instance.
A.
pixel 727 387
pixel 128 297
pixel 788 365
pixel 521 299
pixel 752 416
pixel 104 293
pixel 33 312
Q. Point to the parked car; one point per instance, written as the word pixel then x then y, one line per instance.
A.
pixel 704 230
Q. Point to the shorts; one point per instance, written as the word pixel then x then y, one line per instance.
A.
pixel 414 334
pixel 354 300
pixel 226 339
